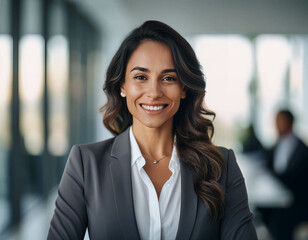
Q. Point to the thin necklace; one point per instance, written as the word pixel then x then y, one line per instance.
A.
pixel 155 161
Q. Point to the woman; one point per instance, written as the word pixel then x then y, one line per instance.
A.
pixel 160 177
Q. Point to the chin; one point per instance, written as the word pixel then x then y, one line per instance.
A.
pixel 156 124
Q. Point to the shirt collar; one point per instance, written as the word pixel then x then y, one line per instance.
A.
pixel 135 150
pixel 136 153
pixel 174 158
pixel 288 138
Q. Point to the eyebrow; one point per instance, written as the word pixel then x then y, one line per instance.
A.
pixel 168 70
pixel 142 69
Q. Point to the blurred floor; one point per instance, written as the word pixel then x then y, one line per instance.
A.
pixel 35 224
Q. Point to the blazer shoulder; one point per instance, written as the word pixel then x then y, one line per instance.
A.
pixel 227 153
pixel 94 149
pixel 231 169
pixel 97 145
pixel 224 151
pixel 301 145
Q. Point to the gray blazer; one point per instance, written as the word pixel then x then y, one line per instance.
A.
pixel 95 192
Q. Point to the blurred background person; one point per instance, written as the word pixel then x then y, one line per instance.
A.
pixel 288 161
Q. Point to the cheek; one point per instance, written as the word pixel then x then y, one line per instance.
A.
pixel 133 93
pixel 175 94
pixel 133 90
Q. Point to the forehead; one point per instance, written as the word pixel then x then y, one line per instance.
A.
pixel 151 54
pixel 282 117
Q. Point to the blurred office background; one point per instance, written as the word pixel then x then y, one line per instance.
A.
pixel 53 57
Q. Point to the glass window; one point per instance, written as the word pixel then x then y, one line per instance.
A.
pixel 31 86
pixel 228 64
pixel 249 81
pixel 57 70
pixel 5 123
pixel 273 56
pixel 6 48
pixel 298 92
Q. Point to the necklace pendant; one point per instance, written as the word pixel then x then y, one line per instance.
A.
pixel 155 161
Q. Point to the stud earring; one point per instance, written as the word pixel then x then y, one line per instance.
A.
pixel 122 94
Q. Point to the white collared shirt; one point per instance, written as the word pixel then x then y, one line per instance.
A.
pixel 156 218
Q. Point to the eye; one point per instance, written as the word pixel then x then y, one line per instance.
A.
pixel 140 77
pixel 169 79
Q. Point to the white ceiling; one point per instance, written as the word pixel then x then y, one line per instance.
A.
pixel 201 16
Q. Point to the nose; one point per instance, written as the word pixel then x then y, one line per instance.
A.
pixel 154 90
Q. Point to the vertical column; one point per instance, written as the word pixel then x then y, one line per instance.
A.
pixel 15 158
pixel 305 80
pixel 253 86
pixel 47 167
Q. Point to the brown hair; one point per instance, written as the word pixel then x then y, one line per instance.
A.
pixel 192 128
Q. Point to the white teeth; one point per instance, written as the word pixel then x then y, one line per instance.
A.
pixel 152 108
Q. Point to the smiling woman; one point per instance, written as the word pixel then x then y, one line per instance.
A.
pixel 160 177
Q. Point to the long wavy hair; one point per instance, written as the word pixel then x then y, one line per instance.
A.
pixel 192 126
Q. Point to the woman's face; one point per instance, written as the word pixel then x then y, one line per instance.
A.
pixel 152 87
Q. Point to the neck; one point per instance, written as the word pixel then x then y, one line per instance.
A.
pixel 286 134
pixel 154 143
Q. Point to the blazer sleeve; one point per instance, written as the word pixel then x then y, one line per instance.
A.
pixel 70 217
pixel 237 221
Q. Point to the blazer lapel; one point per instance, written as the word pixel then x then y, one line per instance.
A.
pixel 189 202
pixel 120 168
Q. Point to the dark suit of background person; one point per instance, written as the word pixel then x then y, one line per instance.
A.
pixel 96 192
pixel 294 175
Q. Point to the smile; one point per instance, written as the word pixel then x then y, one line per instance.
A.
pixel 153 108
